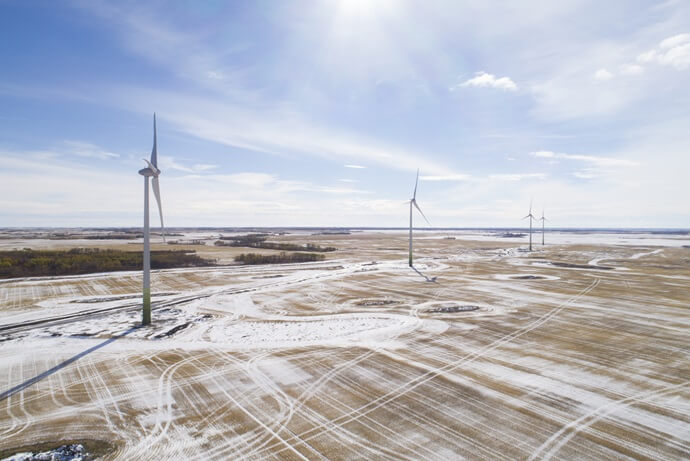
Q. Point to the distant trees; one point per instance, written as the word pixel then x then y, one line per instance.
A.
pixel 282 257
pixel 259 241
pixel 36 263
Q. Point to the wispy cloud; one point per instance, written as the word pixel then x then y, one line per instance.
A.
pixel 585 174
pixel 517 176
pixel 355 166
pixel 486 80
pixel 212 74
pixel 171 163
pixel 85 149
pixel 448 177
pixel 271 131
pixel 601 161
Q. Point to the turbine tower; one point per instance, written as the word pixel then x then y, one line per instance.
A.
pixel 531 217
pixel 543 220
pixel 151 171
pixel 413 201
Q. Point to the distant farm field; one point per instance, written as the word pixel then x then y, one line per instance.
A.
pixel 509 354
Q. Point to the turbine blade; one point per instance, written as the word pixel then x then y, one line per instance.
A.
pixel 530 206
pixel 157 193
pixel 414 195
pixel 154 151
pixel 526 217
pixel 414 202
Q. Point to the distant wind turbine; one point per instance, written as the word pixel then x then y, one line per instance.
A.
pixel 531 217
pixel 543 220
pixel 151 171
pixel 413 201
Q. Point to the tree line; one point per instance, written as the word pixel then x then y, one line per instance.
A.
pixel 38 263
pixel 281 258
pixel 259 241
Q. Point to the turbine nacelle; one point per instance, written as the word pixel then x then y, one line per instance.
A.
pixel 414 202
pixel 151 170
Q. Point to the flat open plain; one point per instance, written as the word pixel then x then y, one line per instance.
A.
pixel 577 350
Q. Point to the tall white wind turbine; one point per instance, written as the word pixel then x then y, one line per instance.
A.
pixel 543 220
pixel 531 217
pixel 413 202
pixel 151 171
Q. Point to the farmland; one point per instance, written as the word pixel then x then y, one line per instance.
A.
pixel 359 357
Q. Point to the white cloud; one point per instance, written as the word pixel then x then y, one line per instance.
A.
pixel 85 149
pixel 483 79
pixel 171 163
pixel 600 161
pixel 585 174
pixel 449 177
pixel 338 190
pixel 674 41
pixel 82 196
pixel 673 51
pixel 214 75
pixel 517 176
pixel 274 132
pixel 603 75
pixel 574 89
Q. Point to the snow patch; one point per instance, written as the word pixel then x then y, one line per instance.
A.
pixel 330 330
pixel 648 253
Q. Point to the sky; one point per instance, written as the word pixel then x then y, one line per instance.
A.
pixel 320 113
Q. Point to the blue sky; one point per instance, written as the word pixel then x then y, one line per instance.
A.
pixel 319 113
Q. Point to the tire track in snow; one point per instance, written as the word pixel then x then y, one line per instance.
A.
pixel 557 440
pixel 413 384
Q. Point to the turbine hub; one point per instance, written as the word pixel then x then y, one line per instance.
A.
pixel 153 169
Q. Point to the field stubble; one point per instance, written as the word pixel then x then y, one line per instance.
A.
pixel 573 363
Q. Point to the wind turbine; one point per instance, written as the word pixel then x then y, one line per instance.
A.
pixel 151 171
pixel 413 201
pixel 531 217
pixel 543 220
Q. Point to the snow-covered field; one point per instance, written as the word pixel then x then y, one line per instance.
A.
pixel 575 351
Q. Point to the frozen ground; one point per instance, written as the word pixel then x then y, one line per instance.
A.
pixel 358 357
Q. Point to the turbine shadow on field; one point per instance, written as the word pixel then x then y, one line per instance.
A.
pixel 428 279
pixel 30 382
